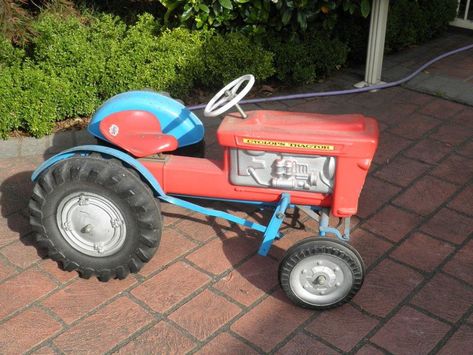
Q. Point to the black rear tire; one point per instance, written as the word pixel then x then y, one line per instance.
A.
pixel 70 232
pixel 321 273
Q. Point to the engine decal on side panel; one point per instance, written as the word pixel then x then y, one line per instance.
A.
pixel 284 171
pixel 268 143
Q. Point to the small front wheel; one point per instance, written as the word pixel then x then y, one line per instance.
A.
pixel 321 273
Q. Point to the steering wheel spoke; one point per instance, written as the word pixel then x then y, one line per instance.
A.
pixel 220 102
pixel 229 96
pixel 235 89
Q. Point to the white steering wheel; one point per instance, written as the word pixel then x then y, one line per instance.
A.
pixel 229 96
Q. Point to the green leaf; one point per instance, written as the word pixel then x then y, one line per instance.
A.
pixel 302 20
pixel 365 8
pixel 204 8
pixel 286 17
pixel 226 4
pixel 186 14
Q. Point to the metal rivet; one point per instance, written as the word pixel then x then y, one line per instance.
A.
pixel 116 223
pixel 83 200
pixel 66 226
pixel 98 247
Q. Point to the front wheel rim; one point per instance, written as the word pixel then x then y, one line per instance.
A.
pixel 321 280
pixel 91 224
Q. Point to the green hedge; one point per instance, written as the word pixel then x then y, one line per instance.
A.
pixel 76 63
pixel 229 56
pixel 413 22
pixel 305 61
pixel 74 66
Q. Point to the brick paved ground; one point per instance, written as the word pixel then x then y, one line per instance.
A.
pixel 206 291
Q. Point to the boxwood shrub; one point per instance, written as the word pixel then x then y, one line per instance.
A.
pixel 76 63
pixel 305 61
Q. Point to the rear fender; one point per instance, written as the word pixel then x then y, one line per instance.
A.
pixel 87 149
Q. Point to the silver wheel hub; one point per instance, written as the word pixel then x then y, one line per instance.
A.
pixel 321 280
pixel 91 224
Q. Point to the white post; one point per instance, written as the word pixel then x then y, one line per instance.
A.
pixel 374 61
pixel 463 22
pixel 467 9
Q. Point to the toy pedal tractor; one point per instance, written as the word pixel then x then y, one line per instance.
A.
pixel 95 209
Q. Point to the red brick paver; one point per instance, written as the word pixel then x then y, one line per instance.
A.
pixel 392 223
pixel 415 127
pixel 23 289
pixel 226 344
pixel 82 296
pixel 466 149
pixel 462 202
pixel 460 342
pixel 27 329
pixel 163 338
pixel 369 349
pixel 303 344
pixel 428 151
pixel 12 227
pixel 461 265
pixel 218 256
pixel 422 252
pixel 445 297
pixel 251 280
pixel 385 286
pixel 410 332
pixel 205 314
pixel 456 169
pixel 6 269
pixel 270 322
pixel 375 194
pixel 160 292
pixel 426 195
pixel 344 327
pixel 20 254
pixel 172 245
pixel 371 247
pixel 402 171
pixel 105 329
pixel 449 225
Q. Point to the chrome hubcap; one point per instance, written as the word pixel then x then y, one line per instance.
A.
pixel 91 224
pixel 321 280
